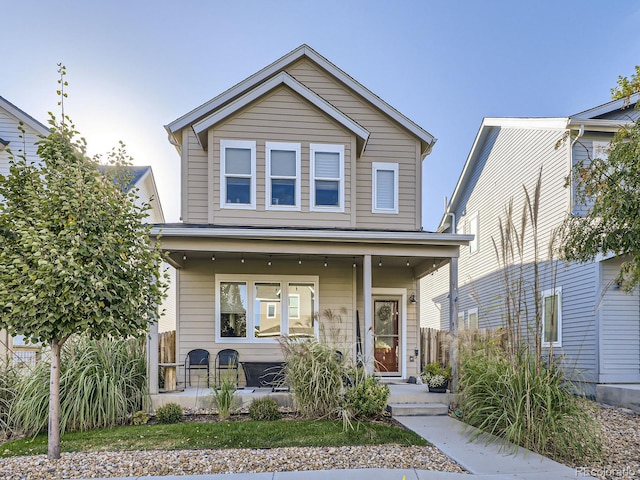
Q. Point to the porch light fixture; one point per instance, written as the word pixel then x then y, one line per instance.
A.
pixel 325 261
pixel 408 263
pixel 213 257
pixel 3 144
pixel 380 262
pixel 269 262
pixel 412 298
pixel 299 260
pixel 242 259
pixel 184 257
pixel 354 262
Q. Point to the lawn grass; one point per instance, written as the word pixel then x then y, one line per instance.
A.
pixel 248 434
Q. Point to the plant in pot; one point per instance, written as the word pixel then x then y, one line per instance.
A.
pixel 436 377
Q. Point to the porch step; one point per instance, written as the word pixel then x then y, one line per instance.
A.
pixel 413 409
pixel 419 397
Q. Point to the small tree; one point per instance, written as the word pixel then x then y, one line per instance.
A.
pixel 610 187
pixel 76 256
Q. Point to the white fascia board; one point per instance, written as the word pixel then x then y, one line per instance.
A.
pixel 24 117
pixel 314 235
pixel 598 125
pixel 554 123
pixel 301 51
pixel 607 107
pixel 200 128
pixel 149 177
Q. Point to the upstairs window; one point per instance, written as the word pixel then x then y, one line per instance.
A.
pixel 385 188
pixel 283 176
pixel 552 317
pixel 237 174
pixel 473 319
pixel 327 178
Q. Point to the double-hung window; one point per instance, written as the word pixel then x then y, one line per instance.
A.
pixel 237 174
pixel 327 177
pixel 261 308
pixel 283 176
pixel 385 188
pixel 552 317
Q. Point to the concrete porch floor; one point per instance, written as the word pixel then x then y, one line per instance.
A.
pixel 201 397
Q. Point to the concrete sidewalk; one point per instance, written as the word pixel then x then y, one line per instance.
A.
pixel 496 460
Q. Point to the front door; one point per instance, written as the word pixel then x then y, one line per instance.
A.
pixel 386 336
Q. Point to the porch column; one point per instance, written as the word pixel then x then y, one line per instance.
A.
pixel 368 353
pixel 152 358
pixel 453 322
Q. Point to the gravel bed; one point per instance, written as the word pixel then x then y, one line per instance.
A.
pixel 199 462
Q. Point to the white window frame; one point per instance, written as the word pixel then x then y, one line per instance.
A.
pixel 386 166
pixel 274 306
pixel 546 294
pixel 295 147
pixel 250 281
pixel 473 311
pixel 296 306
pixel 474 229
pixel 461 320
pixel 320 148
pixel 245 144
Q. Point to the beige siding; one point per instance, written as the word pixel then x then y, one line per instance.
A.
pixel 197 182
pixel 267 121
pixel 388 143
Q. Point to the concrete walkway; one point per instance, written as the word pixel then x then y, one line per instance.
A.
pixel 496 460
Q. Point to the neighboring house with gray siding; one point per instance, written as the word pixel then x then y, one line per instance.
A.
pixel 598 325
pixel 301 193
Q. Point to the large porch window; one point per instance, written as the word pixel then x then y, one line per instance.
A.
pixel 260 308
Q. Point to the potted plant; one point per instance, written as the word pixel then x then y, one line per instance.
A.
pixel 436 377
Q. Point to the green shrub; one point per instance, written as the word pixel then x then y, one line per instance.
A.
pixel 367 398
pixel 315 373
pixel 223 397
pixel 169 413
pixel 140 418
pixel 102 383
pixel 264 409
pixel 526 402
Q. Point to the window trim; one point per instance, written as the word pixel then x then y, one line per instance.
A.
pixel 269 146
pixel 330 148
pixel 245 144
pixel 251 280
pixel 470 312
pixel 546 294
pixel 385 166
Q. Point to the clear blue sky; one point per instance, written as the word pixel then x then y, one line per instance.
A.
pixel 136 65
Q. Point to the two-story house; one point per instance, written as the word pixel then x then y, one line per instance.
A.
pixel 596 326
pixel 301 195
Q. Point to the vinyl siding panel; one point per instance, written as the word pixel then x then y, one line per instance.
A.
pixel 298 122
pixel 19 146
pixel 388 143
pixel 197 182
pixel 619 329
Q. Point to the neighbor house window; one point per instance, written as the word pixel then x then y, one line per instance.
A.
pixel 473 319
pixel 283 176
pixel 461 322
pixel 385 187
pixel 552 317
pixel 327 177
pixel 256 308
pixel 474 229
pixel 237 174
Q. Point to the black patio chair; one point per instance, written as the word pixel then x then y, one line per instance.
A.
pixel 226 361
pixel 197 359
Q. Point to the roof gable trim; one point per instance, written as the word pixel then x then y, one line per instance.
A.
pixel 200 128
pixel 24 117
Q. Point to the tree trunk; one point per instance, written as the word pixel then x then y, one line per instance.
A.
pixel 53 452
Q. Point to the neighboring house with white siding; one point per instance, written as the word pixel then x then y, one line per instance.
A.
pixel 598 325
pixel 301 193
pixel 12 140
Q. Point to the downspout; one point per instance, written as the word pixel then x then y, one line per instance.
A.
pixel 575 140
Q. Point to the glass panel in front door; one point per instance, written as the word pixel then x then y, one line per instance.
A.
pixel 386 337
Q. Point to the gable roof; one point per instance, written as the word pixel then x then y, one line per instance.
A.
pixel 24 117
pixel 276 67
pixel 283 78
pixel 607 107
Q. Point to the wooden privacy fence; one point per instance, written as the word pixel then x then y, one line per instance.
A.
pixel 434 346
pixel 167 347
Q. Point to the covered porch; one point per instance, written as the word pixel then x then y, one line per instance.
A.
pixel 367 280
